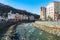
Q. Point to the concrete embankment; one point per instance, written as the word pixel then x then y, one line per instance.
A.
pixel 53 29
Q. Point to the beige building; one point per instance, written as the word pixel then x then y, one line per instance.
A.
pixel 53 10
pixel 43 13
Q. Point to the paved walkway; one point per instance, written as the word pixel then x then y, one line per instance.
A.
pixel 50 23
pixel 49 26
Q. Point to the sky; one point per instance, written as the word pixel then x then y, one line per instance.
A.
pixel 32 6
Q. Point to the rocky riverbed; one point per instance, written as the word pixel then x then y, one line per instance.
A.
pixel 27 31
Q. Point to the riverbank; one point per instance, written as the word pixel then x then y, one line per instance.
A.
pixel 9 32
pixel 27 31
pixel 46 26
pixel 12 29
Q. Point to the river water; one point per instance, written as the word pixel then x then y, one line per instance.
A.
pixel 26 31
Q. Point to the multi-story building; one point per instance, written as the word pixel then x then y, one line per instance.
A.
pixel 2 17
pixel 53 10
pixel 43 13
pixel 11 15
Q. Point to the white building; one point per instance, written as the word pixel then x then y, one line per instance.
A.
pixel 25 17
pixel 2 17
pixel 11 16
pixel 53 10
pixel 19 16
pixel 31 17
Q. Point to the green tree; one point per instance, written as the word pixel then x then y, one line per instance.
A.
pixel 49 18
pixel 5 14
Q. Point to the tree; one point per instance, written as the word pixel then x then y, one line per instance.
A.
pixel 5 15
pixel 49 18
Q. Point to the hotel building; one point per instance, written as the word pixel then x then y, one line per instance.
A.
pixel 53 10
pixel 42 13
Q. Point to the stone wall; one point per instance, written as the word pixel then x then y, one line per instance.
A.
pixel 48 28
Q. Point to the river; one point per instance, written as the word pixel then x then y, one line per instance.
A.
pixel 26 31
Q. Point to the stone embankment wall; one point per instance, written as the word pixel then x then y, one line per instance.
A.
pixel 48 28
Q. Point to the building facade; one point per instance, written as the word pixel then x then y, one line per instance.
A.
pixel 11 15
pixel 53 10
pixel 43 13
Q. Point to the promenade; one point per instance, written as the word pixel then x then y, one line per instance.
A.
pixel 52 27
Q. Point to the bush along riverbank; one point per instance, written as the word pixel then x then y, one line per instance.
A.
pixel 48 28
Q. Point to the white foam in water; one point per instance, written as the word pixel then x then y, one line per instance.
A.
pixel 41 32
pixel 30 32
